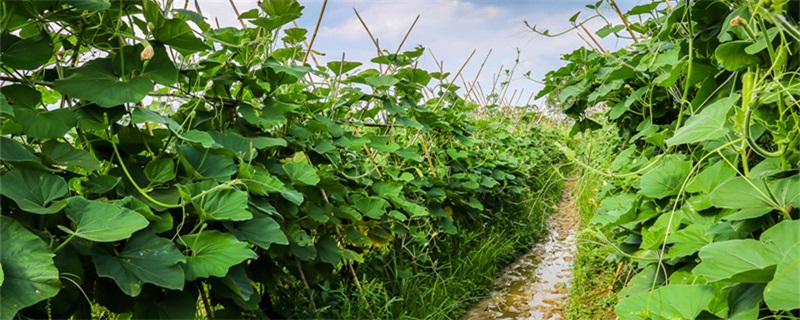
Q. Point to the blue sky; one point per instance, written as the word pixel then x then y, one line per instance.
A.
pixel 451 29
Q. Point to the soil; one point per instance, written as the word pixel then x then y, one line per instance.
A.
pixel 536 286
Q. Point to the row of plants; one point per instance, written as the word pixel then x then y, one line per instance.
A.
pixel 156 166
pixel 700 200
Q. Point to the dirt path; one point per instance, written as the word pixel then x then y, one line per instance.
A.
pixel 537 284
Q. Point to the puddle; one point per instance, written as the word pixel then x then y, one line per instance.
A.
pixel 537 284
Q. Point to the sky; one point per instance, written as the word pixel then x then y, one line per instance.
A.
pixel 451 29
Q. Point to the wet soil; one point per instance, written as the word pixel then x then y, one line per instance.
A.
pixel 537 284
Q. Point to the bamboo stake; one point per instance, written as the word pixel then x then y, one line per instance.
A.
pixel 236 11
pixel 479 70
pixel 451 83
pixel 375 42
pixel 593 39
pixel 669 5
pixel 587 41
pixel 624 20
pixel 407 34
pixel 427 154
pixel 369 153
pixel 316 29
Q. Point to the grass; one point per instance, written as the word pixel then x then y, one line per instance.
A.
pixel 443 278
pixel 595 281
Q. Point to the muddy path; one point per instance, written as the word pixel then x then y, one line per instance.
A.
pixel 537 284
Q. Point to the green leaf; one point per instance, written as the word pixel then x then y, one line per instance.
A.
pixel 177 33
pixel 102 222
pixel 688 240
pixel 613 208
pixel 781 292
pixel 142 115
pixel 280 12
pixel 744 260
pixel 709 124
pixel 101 184
pixel 781 237
pixel 744 300
pixel 29 274
pixel 18 95
pixel 381 82
pixel 160 171
pixel 12 151
pixel 145 258
pixel 206 164
pixel 668 302
pixel 223 205
pixel 213 253
pixel 91 5
pixel 25 54
pixel 372 207
pixel 34 191
pixel 328 251
pixel 708 179
pixel 356 238
pixel 733 57
pixel 65 155
pixel 301 173
pixel 339 67
pixel 261 231
pixel 96 81
pixel 45 124
pixel 741 193
pixel 665 179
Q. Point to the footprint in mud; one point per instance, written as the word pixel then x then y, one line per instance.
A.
pixel 536 286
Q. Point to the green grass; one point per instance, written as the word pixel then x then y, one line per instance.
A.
pixel 444 278
pixel 594 283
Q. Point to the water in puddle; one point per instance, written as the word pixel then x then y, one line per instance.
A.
pixel 537 284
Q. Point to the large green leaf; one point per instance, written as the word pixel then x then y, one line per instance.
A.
pixel 177 33
pixel 746 260
pixel 372 207
pixel 159 68
pixel 781 237
pixel 709 124
pixel 160 170
pixel 261 231
pixel 96 81
pixel 711 177
pixel 733 57
pixel 668 302
pixel 223 204
pixel 25 54
pixel 213 253
pixel 741 193
pixel 11 150
pixel 45 124
pixel 665 179
pixel 783 291
pixel 29 274
pixel 146 258
pixel 341 67
pixel 744 300
pixel 102 222
pixel 206 164
pixel 301 173
pixel 65 155
pixel 34 191
pixel 328 250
